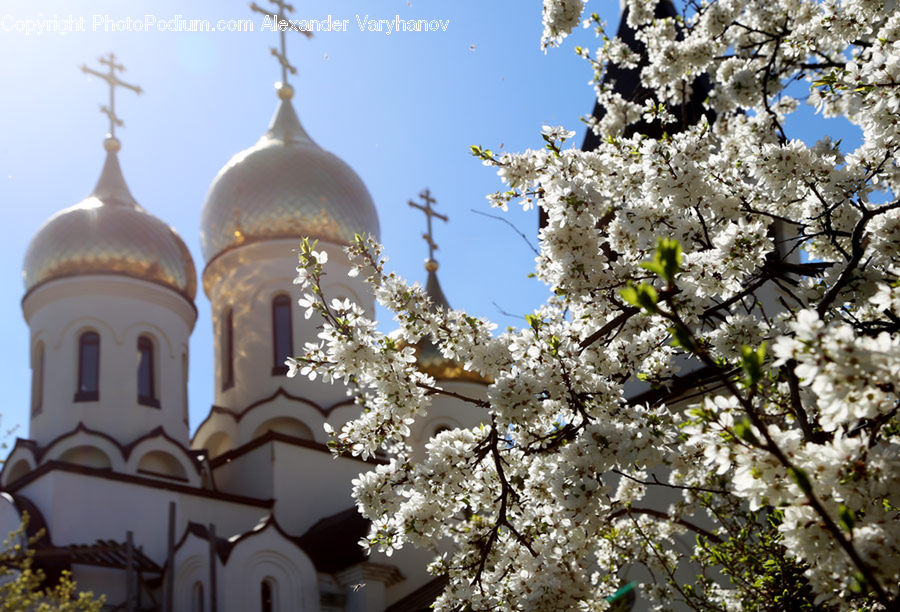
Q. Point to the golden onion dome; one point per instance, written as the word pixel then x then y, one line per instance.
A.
pixel 109 233
pixel 285 186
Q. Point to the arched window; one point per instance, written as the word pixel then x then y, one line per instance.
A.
pixel 227 348
pixel 282 334
pixel 184 388
pixel 88 367
pixel 197 597
pixel 266 596
pixel 146 383
pixel 37 379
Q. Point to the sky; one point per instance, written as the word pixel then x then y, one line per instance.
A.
pixel 401 108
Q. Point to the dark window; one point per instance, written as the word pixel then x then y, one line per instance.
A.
pixel 282 334
pixel 88 367
pixel 265 597
pixel 227 348
pixel 198 597
pixel 88 389
pixel 184 389
pixel 146 386
pixel 37 379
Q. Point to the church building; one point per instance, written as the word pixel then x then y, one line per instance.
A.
pixel 252 513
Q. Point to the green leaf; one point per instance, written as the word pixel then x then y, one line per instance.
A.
pixel 682 337
pixel 752 362
pixel 859 584
pixel 801 479
pixel 654 266
pixel 643 296
pixel 534 321
pixel 666 259
pixel 744 431
pixel 847 518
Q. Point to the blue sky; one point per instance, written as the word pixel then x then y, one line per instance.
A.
pixel 401 109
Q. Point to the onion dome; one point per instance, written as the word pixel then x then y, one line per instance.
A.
pixel 109 233
pixel 285 186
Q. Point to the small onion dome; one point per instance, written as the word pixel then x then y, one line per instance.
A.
pixel 285 186
pixel 428 357
pixel 109 233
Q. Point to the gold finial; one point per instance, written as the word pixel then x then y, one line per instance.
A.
pixel 285 91
pixel 282 23
pixel 430 263
pixel 112 143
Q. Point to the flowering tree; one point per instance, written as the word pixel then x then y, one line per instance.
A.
pixel 708 404
pixel 24 587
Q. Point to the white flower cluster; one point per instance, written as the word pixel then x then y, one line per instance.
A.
pixel 560 18
pixel 638 422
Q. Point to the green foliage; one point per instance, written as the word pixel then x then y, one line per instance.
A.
pixel 801 479
pixel 666 259
pixel 22 586
pixel 682 337
pixel 755 561
pixel 752 362
pixel 643 296
pixel 744 431
pixel 847 518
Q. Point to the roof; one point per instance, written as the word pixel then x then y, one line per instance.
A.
pixel 102 553
pixel 109 233
pixel 285 186
pixel 333 542
pixel 421 599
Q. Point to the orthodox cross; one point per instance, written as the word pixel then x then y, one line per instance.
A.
pixel 113 81
pixel 429 213
pixel 283 24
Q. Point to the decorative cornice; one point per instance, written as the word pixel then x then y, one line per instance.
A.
pixel 237 415
pixel 225 546
pixel 61 466
pixel 125 450
pixel 274 436
pixel 51 283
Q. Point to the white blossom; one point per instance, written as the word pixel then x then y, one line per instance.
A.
pixel 757 393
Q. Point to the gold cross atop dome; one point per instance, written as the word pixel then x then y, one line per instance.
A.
pixel 109 60
pixel 430 263
pixel 285 91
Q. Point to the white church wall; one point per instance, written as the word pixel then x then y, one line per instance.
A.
pixel 217 433
pixel 119 309
pixel 192 567
pixel 17 465
pixel 269 556
pixel 245 279
pixel 82 508
pixel 10 520
pixel 249 473
pixel 160 456
pixel 311 485
pixel 85 448
pixel 251 424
